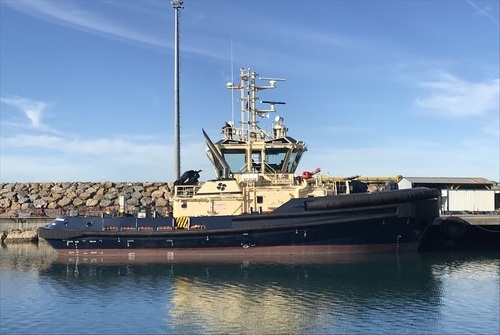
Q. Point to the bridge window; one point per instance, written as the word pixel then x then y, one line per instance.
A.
pixel 275 158
pixel 235 159
pixel 294 161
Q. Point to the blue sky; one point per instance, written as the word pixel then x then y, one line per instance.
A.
pixel 372 87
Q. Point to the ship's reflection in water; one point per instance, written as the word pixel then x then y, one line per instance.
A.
pixel 277 295
pixel 454 293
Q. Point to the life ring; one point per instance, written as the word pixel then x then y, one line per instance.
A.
pixel 453 228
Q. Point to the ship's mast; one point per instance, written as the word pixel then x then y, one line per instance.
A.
pixel 177 4
pixel 248 87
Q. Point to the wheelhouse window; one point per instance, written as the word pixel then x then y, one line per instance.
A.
pixel 294 161
pixel 235 159
pixel 275 158
pixel 256 161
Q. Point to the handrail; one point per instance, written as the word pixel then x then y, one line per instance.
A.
pixel 186 191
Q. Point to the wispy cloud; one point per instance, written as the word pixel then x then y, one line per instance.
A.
pixel 63 156
pixel 72 14
pixel 484 12
pixel 33 110
pixel 452 97
pixel 83 146
pixel 60 158
pixel 413 158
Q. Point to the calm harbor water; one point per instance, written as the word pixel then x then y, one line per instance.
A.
pixel 429 293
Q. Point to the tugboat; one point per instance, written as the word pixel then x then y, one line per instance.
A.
pixel 257 204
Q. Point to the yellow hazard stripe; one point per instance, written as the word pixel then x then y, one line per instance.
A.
pixel 182 222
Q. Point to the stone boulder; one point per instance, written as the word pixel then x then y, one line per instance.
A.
pixel 74 195
pixel 17 236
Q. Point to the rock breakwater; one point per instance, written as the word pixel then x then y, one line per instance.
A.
pixel 89 198
pixel 18 236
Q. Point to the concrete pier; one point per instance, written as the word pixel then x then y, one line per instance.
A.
pixel 23 224
pixel 480 220
pixel 464 232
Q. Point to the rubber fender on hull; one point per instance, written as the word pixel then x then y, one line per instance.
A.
pixel 372 199
pixel 453 228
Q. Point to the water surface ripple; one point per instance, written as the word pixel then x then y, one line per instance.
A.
pixel 430 293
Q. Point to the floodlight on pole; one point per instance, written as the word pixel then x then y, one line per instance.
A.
pixel 177 4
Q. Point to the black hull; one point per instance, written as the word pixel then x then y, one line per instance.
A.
pixel 363 227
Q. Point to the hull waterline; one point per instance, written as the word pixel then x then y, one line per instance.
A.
pixel 382 228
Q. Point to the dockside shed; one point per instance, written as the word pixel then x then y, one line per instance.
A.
pixel 460 195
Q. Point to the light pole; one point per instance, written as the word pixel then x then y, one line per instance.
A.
pixel 177 4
